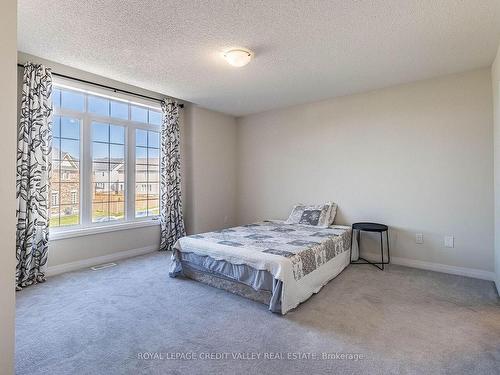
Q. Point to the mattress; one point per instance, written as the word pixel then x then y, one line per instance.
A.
pixel 292 259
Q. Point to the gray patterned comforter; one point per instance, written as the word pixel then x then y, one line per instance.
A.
pixel 307 247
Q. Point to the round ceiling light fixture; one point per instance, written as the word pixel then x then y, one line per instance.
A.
pixel 238 56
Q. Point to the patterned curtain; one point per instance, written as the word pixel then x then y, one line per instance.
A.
pixel 34 146
pixel 172 221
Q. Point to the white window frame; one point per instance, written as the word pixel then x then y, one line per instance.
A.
pixel 86 226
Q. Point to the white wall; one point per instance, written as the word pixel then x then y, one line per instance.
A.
pixel 208 179
pixel 418 157
pixel 210 149
pixel 495 80
pixel 8 46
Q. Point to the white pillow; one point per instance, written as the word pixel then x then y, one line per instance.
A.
pixel 319 215
pixel 296 214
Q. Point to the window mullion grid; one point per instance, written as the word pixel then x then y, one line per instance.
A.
pixel 108 203
pixel 59 179
pixel 130 172
pixel 86 185
pixel 147 174
pixel 85 173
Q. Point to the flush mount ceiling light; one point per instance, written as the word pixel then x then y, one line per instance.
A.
pixel 238 56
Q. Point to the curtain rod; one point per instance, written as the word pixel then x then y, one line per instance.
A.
pixel 106 87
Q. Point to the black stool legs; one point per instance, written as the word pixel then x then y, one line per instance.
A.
pixel 379 265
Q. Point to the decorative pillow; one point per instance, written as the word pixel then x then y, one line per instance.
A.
pixel 317 215
pixel 312 217
pixel 333 212
pixel 296 214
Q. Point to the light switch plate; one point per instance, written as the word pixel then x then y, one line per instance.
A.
pixel 419 238
pixel 449 241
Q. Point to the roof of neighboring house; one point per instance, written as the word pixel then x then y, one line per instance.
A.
pixel 67 162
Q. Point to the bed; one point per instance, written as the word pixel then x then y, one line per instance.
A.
pixel 271 262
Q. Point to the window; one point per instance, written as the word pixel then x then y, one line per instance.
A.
pixel 105 159
pixel 147 173
pixel 108 168
pixel 65 171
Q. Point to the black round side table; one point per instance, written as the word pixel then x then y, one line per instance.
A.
pixel 372 227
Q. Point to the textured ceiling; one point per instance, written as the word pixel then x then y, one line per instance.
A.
pixel 304 50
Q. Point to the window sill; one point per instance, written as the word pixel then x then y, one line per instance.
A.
pixel 58 234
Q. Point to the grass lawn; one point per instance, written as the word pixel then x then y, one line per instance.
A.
pixel 74 219
pixel 67 220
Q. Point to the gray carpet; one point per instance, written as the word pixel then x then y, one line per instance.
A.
pixel 402 321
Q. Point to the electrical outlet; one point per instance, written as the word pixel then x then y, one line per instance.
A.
pixel 449 241
pixel 419 238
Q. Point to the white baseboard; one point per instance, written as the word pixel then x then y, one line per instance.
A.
pixel 86 263
pixel 438 267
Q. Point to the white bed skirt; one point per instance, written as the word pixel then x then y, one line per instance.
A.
pixel 313 282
